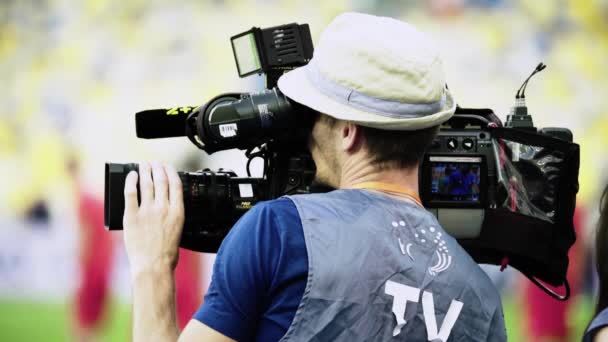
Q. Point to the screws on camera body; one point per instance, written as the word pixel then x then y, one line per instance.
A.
pixel 292 180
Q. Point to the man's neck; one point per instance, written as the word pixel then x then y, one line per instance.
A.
pixel 358 169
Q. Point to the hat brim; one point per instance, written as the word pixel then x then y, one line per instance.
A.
pixel 296 85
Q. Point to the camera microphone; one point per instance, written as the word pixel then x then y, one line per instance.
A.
pixel 519 117
pixel 162 123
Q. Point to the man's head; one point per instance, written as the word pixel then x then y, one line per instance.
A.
pixel 336 144
pixel 380 86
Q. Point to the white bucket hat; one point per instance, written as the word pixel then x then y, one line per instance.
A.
pixel 374 71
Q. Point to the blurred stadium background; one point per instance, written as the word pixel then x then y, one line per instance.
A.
pixel 74 73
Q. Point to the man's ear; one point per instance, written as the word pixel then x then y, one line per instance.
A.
pixel 351 136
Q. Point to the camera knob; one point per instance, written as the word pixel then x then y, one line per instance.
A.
pixel 452 143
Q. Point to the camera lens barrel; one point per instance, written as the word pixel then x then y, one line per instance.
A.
pixel 204 189
pixel 249 121
pixel 210 197
pixel 213 202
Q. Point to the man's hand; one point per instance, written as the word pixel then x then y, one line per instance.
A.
pixel 153 229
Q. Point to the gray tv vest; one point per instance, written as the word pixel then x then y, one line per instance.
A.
pixel 382 269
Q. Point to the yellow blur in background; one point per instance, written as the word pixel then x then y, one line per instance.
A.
pixel 73 73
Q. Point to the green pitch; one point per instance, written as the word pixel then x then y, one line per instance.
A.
pixel 43 321
pixel 24 321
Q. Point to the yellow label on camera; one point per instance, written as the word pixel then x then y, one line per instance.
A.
pixel 245 205
pixel 179 110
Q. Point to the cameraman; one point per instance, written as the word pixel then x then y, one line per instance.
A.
pixel 365 262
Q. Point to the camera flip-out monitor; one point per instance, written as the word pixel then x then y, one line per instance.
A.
pixel 454 181
pixel 246 53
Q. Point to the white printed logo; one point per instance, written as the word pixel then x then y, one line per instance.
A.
pixel 228 130
pixel 263 109
pixel 444 259
pixel 266 115
pixel 404 248
pixel 403 293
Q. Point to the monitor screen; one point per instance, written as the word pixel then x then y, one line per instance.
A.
pixel 455 179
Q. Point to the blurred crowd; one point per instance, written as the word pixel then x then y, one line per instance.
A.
pixel 74 73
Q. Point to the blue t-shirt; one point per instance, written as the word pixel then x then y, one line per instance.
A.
pixel 600 321
pixel 259 275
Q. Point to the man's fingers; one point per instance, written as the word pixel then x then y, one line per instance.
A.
pixel 176 197
pixel 131 204
pixel 160 183
pixel 146 187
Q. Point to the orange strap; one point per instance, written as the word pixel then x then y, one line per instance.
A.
pixel 389 188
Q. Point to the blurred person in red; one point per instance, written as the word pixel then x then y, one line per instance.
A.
pixel 188 295
pixel 95 255
pixel 96 251
pixel 547 318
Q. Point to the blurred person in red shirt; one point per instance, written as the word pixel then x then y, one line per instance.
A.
pixel 547 318
pixel 96 252
pixel 188 295
pixel 95 255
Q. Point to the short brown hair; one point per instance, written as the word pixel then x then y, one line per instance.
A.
pixel 402 149
pixel 390 148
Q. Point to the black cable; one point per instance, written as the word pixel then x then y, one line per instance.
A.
pixel 549 291
pixel 248 167
pixel 522 89
pixel 249 159
pixel 261 153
